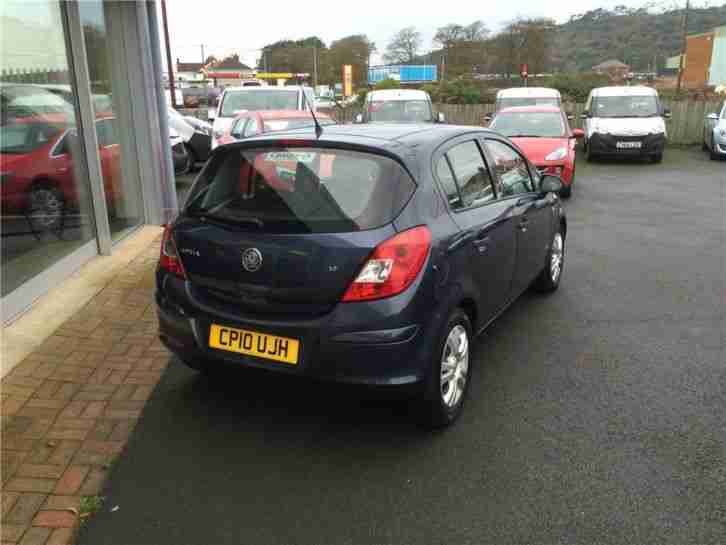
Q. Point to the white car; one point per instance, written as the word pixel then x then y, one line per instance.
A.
pixel 196 134
pixel 398 106
pixel 714 133
pixel 625 122
pixel 527 96
pixel 237 100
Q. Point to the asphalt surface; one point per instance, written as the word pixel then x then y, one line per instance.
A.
pixel 596 415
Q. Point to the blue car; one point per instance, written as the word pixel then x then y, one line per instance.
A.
pixel 372 255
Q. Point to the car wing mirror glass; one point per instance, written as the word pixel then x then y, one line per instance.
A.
pixel 441 118
pixel 666 113
pixel 712 117
pixel 584 115
pixel 550 183
pixel 358 118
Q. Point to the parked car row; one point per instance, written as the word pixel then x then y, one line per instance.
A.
pixel 370 253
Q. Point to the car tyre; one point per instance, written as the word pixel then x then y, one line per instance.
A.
pixel 589 155
pixel 549 278
pixel 713 155
pixel 193 159
pixel 46 206
pixel 448 381
pixel 566 191
pixel 657 158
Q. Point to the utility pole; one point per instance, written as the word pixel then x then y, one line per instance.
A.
pixel 684 43
pixel 315 66
pixel 170 67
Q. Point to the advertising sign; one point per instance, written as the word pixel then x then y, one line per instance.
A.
pixel 347 80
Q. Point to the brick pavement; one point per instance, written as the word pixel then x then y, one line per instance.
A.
pixel 70 406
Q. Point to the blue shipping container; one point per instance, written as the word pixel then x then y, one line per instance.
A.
pixel 415 73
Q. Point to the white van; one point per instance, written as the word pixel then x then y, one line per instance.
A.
pixel 527 96
pixel 236 100
pixel 626 122
pixel 399 106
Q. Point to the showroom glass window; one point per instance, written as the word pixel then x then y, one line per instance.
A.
pixel 44 191
pixel 113 117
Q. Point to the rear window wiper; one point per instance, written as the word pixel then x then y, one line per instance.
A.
pixel 213 218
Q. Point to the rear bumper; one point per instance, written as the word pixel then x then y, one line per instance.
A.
pixel 343 345
pixel 607 144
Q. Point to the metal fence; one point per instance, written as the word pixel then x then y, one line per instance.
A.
pixel 685 127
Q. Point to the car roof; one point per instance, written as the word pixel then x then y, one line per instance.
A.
pixel 397 94
pixel 396 139
pixel 531 109
pixel 621 91
pixel 288 114
pixel 524 92
pixel 266 88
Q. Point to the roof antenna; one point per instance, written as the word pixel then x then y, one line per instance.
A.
pixel 318 127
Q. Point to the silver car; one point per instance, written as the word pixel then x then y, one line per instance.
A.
pixel 714 133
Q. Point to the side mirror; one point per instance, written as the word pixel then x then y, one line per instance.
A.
pixel 440 117
pixel 712 117
pixel 585 115
pixel 550 184
pixel 570 117
pixel 358 118
pixel 666 113
pixel 578 133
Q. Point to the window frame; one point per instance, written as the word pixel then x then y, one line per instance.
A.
pixel 442 153
pixel 500 184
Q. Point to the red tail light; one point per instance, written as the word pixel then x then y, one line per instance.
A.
pixel 169 258
pixel 392 267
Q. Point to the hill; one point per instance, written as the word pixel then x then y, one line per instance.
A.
pixel 634 36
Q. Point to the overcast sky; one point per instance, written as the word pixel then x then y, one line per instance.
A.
pixel 244 26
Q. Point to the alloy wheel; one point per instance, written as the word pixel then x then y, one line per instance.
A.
pixel 454 366
pixel 46 207
pixel 556 258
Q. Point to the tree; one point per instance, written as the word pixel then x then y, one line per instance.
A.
pixel 475 32
pixel 446 35
pixel 354 50
pixel 523 41
pixel 290 56
pixel 404 46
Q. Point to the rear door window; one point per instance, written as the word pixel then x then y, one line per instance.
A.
pixel 471 174
pixel 302 190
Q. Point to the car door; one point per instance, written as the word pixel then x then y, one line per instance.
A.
pixel 487 237
pixel 530 210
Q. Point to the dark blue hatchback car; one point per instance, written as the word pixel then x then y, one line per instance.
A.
pixel 372 254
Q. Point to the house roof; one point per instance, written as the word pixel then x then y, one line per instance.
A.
pixel 612 63
pixel 189 66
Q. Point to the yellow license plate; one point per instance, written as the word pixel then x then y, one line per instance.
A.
pixel 251 343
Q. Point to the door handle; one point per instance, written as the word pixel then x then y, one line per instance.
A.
pixel 482 244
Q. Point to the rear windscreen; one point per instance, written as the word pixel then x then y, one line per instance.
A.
pixel 301 190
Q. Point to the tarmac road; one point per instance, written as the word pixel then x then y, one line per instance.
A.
pixel 596 415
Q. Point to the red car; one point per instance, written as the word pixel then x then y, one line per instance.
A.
pixel 544 135
pixel 38 178
pixel 262 121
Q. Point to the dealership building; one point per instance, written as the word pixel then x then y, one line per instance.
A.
pixel 85 150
